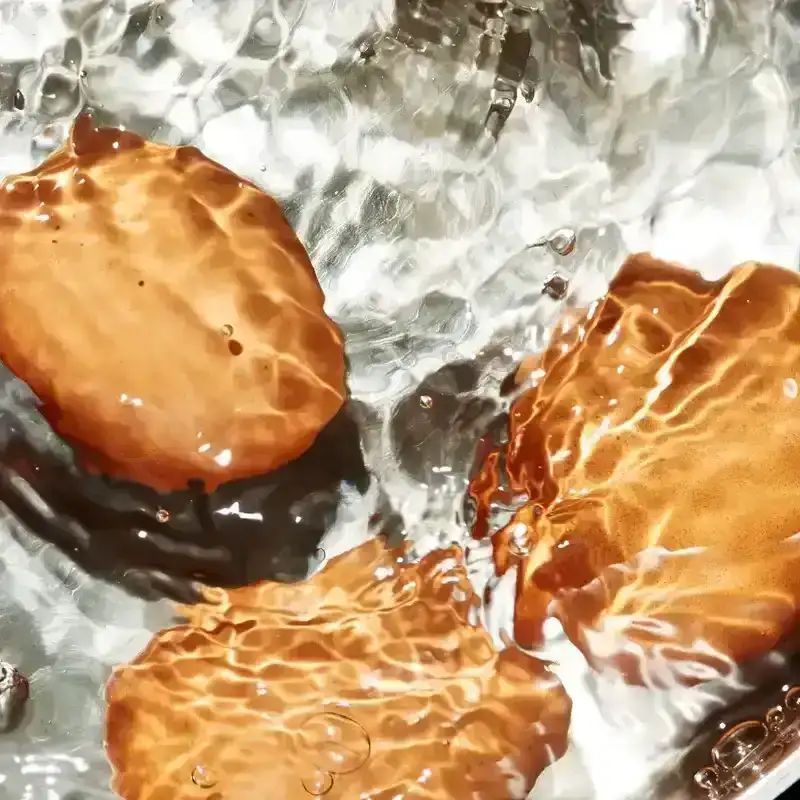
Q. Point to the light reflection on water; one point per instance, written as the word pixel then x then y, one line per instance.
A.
pixel 396 210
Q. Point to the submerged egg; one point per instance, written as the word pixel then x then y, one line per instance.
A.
pixel 313 689
pixel 121 262
pixel 660 445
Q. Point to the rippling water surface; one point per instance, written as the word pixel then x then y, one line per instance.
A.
pixel 461 174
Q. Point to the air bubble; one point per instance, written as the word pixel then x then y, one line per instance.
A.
pixel 775 718
pixel 793 698
pixel 204 777
pixel 738 743
pixel 162 515
pixel 318 783
pixel 707 779
pixel 426 401
pixel 334 743
pixel 227 331
pixel 562 242
pixel 19 100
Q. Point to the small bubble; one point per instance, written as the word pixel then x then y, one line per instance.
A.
pixel 426 401
pixel 320 554
pixel 318 782
pixel 793 699
pixel 335 743
pixel 227 331
pixel 19 100
pixel 562 242
pixel 203 777
pixel 162 515
pixel 775 718
pixel 707 779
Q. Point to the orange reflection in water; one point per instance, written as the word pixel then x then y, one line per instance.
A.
pixel 164 312
pixel 652 470
pixel 365 681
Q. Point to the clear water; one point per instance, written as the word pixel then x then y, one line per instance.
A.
pixel 418 223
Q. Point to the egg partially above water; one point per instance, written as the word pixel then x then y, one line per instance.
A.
pixel 171 327
pixel 164 313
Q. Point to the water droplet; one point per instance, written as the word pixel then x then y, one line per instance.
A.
pixel 334 743
pixel 775 718
pixel 562 242
pixel 227 330
pixel 203 777
pixel 793 698
pixel 19 100
pixel 556 287
pixel 318 782
pixel 738 743
pixel 707 779
pixel 426 401
pixel 162 515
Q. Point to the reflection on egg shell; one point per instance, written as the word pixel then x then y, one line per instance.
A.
pixel 348 695
pixel 658 442
pixel 123 264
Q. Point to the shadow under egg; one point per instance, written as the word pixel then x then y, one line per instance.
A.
pixel 165 544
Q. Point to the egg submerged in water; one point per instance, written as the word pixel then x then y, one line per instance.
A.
pixel 191 413
pixel 650 473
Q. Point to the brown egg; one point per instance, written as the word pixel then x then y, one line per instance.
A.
pixel 652 463
pixel 367 680
pixel 164 313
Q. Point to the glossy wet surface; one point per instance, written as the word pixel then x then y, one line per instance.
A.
pixel 369 680
pixel 458 173
pixel 650 467
pixel 191 362
pixel 190 344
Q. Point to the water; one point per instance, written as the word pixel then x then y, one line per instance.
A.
pixel 420 228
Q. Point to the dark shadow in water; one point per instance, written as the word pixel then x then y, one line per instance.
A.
pixel 435 427
pixel 161 544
